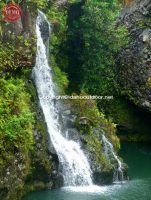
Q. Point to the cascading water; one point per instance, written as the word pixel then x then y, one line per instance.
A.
pixel 110 153
pixel 75 166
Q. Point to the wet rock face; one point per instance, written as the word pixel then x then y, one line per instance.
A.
pixel 103 178
pixel 45 159
pixel 12 177
pixel 134 62
pixel 58 179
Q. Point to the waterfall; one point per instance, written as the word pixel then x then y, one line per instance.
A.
pixel 75 166
pixel 111 155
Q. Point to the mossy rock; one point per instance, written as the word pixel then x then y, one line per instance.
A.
pixel 133 123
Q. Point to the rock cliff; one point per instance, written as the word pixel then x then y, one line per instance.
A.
pixel 134 62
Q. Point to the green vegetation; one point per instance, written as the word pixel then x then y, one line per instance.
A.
pixel 94 119
pixel 133 122
pixel 149 82
pixel 17 53
pixel 36 3
pixel 27 165
pixel 15 117
pixel 84 44
pixel 93 39
pixel 91 123
pixel 16 133
pixel 102 39
pixel 95 147
pixel 58 18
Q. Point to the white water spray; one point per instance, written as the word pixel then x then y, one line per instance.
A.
pixel 109 152
pixel 75 166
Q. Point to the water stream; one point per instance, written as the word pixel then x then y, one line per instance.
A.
pixel 74 163
pixel 110 153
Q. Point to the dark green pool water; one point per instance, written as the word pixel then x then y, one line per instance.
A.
pixel 137 156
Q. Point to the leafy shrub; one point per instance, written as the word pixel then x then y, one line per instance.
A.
pixel 92 131
pixel 19 53
pixel 102 39
pixel 16 119
pixel 88 109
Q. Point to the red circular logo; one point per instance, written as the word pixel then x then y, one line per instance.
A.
pixel 12 12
